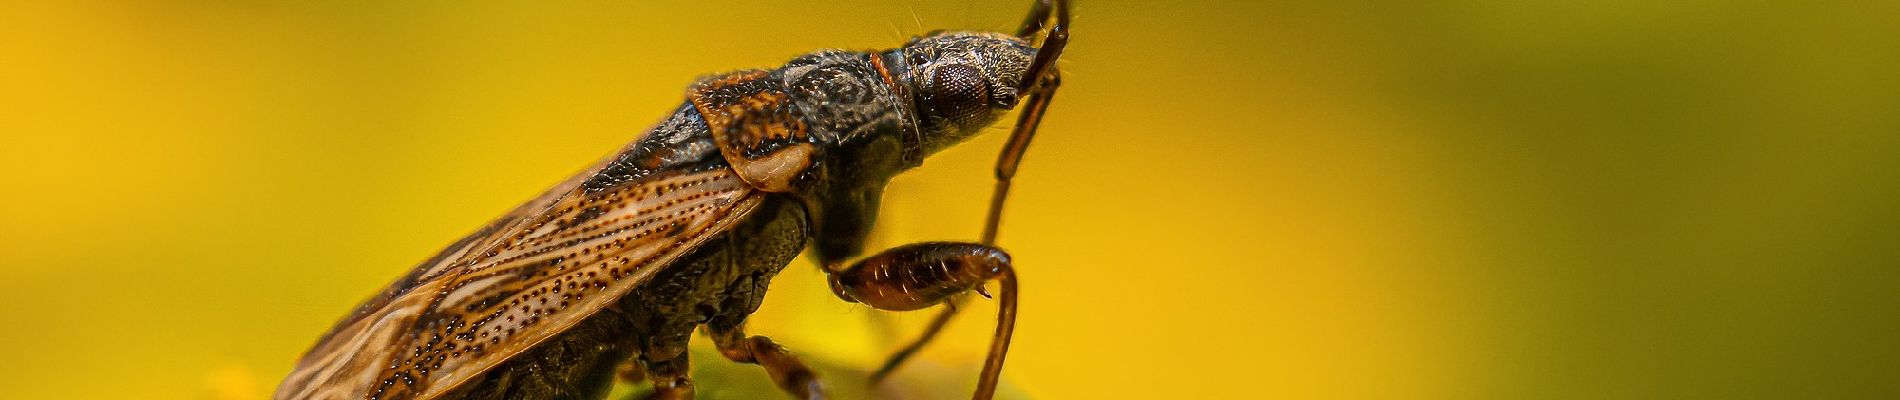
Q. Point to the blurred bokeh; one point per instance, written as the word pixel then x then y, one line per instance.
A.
pixel 1498 199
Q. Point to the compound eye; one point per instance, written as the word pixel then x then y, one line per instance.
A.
pixel 959 93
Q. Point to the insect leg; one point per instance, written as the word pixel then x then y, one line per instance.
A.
pixel 1006 164
pixel 1012 155
pixel 670 380
pixel 920 275
pixel 1040 82
pixel 786 370
pixel 631 372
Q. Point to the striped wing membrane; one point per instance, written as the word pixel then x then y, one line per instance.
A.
pixel 530 275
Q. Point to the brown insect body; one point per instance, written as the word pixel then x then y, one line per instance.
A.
pixel 686 227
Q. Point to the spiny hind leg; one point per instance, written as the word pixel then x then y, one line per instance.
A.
pixel 920 275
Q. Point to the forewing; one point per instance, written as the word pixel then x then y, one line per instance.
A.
pixel 524 278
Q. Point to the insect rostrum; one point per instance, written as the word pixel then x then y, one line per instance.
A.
pixel 687 226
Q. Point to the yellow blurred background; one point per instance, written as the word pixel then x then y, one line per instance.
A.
pixel 1500 199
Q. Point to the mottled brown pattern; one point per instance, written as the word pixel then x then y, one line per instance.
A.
pixel 669 232
pixel 530 280
pixel 751 120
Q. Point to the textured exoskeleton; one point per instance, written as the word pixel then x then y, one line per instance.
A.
pixel 686 227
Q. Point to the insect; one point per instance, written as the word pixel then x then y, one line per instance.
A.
pixel 686 227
